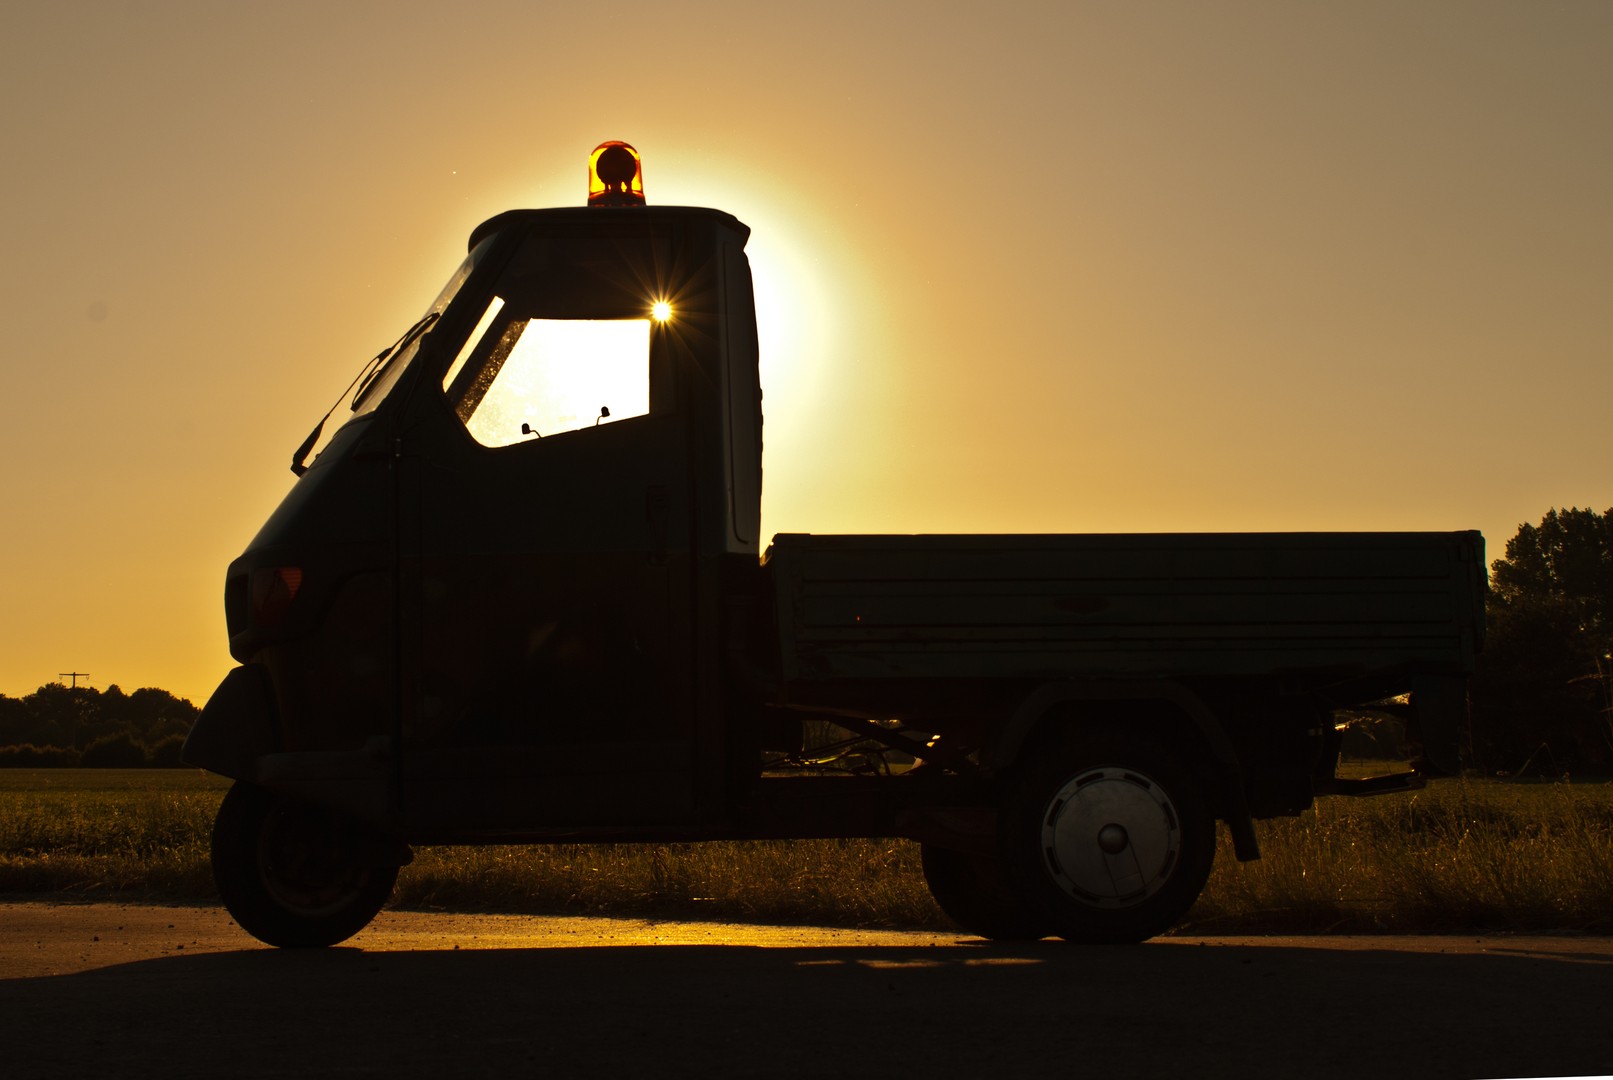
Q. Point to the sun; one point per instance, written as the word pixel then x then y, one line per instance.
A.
pixel 661 311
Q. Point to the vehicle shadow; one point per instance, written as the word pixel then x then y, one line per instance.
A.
pixel 1158 1009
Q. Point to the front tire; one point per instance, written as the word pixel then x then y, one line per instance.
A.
pixel 1108 836
pixel 293 874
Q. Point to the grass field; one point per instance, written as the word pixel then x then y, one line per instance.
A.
pixel 1459 856
pixel 107 832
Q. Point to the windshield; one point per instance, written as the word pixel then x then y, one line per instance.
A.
pixel 373 387
pixel 369 388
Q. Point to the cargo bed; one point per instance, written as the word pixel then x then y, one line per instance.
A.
pixel 1337 605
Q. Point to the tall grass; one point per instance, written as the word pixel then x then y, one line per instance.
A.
pixel 831 882
pixel 107 832
pixel 1459 856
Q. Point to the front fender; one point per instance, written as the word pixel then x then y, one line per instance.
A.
pixel 238 725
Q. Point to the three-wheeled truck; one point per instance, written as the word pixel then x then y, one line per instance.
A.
pixel 519 597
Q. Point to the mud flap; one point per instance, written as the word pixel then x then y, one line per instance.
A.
pixel 1439 711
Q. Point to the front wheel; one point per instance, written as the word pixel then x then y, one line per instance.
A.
pixel 1108 836
pixel 293 874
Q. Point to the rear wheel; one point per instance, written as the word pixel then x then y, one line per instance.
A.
pixel 294 874
pixel 972 892
pixel 1108 837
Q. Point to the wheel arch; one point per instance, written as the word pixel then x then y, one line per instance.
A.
pixel 1165 707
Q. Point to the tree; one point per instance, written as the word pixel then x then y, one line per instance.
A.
pixel 155 714
pixel 17 723
pixel 64 716
pixel 1546 675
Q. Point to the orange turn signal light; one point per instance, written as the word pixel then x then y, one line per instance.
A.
pixel 273 589
pixel 615 176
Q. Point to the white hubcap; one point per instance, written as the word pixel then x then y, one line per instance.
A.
pixel 1111 837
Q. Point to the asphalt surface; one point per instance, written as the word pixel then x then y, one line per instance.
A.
pixel 131 990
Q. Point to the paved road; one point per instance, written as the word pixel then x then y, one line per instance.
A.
pixel 180 992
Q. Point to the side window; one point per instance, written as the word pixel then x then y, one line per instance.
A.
pixel 520 379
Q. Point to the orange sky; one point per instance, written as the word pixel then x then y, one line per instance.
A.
pixel 1063 267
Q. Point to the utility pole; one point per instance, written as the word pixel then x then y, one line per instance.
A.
pixel 74 675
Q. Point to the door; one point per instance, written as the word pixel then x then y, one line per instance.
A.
pixel 546 543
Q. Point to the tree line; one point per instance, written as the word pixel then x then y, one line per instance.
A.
pixel 1543 696
pixel 58 725
pixel 1542 700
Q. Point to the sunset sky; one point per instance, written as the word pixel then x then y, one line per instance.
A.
pixel 1083 267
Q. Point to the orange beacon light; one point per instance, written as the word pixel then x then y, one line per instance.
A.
pixel 615 176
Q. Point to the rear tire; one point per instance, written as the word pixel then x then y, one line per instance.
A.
pixel 1108 837
pixel 293 874
pixel 971 891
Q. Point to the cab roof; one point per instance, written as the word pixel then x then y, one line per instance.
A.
pixel 600 215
